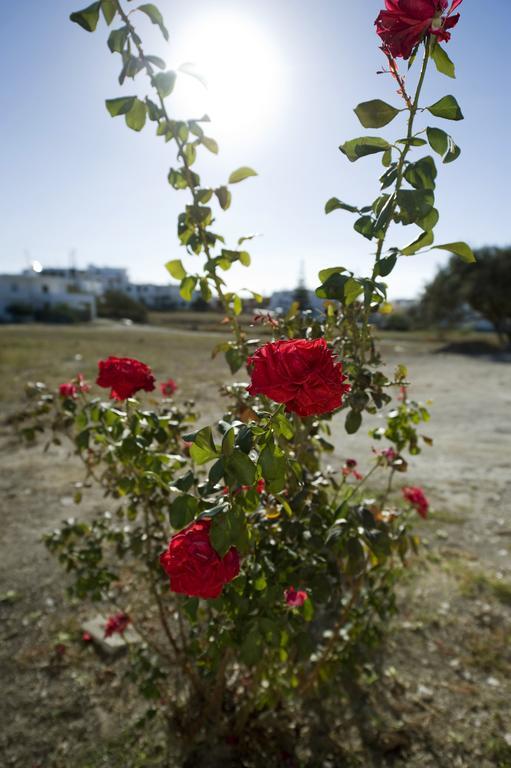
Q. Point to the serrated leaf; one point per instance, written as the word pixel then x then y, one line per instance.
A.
pixel 155 15
pixel 117 39
pixel 334 204
pixel 442 61
pixel 109 8
pixel 363 146
pixel 460 249
pixel 175 269
pixel 136 117
pixel 240 174
pixel 120 106
pixel 424 239
pixel 210 144
pixel 224 197
pixel 375 113
pixel 447 108
pixel 187 287
pixel 438 140
pixel 386 265
pixel 164 83
pixel 88 17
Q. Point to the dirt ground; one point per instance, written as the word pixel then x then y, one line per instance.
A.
pixel 443 698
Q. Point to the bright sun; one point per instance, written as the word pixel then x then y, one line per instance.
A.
pixel 240 67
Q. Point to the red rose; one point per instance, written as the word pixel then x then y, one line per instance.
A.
pixel 417 499
pixel 67 389
pixel 194 567
pixel 405 22
pixel 117 623
pixel 168 387
pixel 124 376
pixel 295 598
pixel 300 373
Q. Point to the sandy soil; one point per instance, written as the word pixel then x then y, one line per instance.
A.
pixel 444 690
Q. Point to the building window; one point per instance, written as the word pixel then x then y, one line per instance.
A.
pixel 45 289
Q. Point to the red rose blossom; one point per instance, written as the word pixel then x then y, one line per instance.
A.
pixel 124 376
pixel 68 389
pixel 300 373
pixel 417 499
pixel 405 22
pixel 168 387
pixel 117 623
pixel 295 598
pixel 194 567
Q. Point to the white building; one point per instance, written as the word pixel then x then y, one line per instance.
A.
pixel 26 294
pixel 158 297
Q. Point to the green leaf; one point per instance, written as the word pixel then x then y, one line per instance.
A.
pixel 175 269
pixel 109 8
pixel 429 221
pixel 224 197
pixel 237 305
pixel 375 113
pixel 353 422
pixel 352 289
pixel 326 273
pixel 438 140
pixel 240 174
pixel 414 204
pixel 333 287
pixel 203 448
pixel 228 442
pixel 164 83
pixel 88 17
pixel 334 204
pixel 154 14
pixel 413 142
pixel 120 106
pixel 234 359
pixel 183 510
pixel 448 108
pixel 272 462
pixel 136 117
pixel 187 287
pixel 220 535
pixel 424 239
pixel 422 174
pixel 239 468
pixel 156 61
pixel 117 39
pixel 365 145
pixel 442 61
pixel 210 144
pixel 460 249
pixel 453 152
pixel 386 265
pixel 365 226
pixel 244 258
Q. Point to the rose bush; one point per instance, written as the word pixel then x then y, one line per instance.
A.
pixel 236 513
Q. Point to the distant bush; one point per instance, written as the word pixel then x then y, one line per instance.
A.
pixel 117 306
pixel 398 321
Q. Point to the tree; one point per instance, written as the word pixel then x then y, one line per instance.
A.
pixel 117 306
pixel 485 287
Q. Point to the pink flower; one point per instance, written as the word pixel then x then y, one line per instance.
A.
pixel 117 623
pixel 404 23
pixel 168 387
pixel 295 598
pixel 415 496
pixel 86 637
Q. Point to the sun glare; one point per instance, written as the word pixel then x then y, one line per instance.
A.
pixel 239 66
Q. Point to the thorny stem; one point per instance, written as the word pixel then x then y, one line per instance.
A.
pixel 181 153
pixel 401 164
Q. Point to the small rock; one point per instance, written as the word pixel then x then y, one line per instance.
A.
pixel 116 643
pixel 493 682
pixel 424 693
pixel 507 739
pixel 441 534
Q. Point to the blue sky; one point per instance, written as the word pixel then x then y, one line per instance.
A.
pixel 74 178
